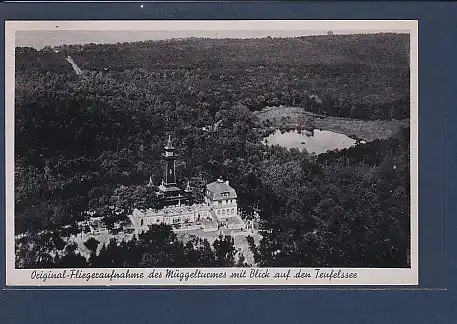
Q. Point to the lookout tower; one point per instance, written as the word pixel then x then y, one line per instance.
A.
pixel 169 172
pixel 168 189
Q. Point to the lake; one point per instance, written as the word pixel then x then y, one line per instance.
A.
pixel 317 141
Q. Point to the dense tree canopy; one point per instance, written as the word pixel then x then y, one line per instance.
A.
pixel 93 141
pixel 157 247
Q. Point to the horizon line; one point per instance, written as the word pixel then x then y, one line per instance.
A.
pixel 41 46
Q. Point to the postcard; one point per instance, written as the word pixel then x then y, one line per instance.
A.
pixel 211 153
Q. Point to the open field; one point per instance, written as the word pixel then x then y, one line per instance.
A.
pixel 297 117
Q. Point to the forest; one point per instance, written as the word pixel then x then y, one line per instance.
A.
pixel 91 141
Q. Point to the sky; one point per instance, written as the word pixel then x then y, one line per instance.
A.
pixel 41 38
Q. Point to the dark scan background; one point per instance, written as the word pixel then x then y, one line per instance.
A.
pixel 429 303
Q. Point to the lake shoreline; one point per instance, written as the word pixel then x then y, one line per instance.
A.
pixel 296 118
pixel 313 142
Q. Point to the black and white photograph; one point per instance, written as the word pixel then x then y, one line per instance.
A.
pixel 248 146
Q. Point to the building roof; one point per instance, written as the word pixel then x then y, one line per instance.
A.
pixel 220 190
pixel 169 145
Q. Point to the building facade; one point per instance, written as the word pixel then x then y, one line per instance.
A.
pixel 219 207
pixel 222 199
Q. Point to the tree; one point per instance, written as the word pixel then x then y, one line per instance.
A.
pixel 92 244
pixel 224 251
pixel 71 259
pixel 241 261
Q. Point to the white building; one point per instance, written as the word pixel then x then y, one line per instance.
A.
pixel 219 208
pixel 222 199
pixel 180 217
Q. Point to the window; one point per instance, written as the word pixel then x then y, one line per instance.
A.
pixel 233 211
pixel 218 212
pixel 220 202
pixel 223 212
pixel 141 222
